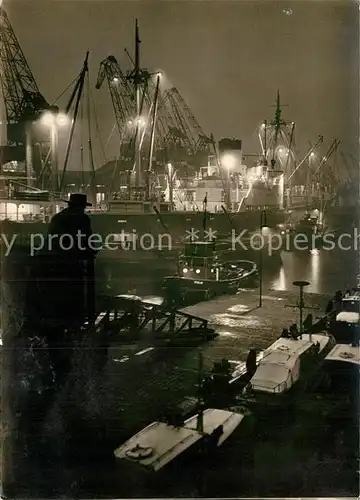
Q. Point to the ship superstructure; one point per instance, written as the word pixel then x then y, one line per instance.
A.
pixel 166 164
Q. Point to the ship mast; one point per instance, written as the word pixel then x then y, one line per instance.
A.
pixel 277 123
pixel 265 143
pixel 137 83
pixel 137 76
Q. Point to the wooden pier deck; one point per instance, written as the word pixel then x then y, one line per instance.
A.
pixel 142 378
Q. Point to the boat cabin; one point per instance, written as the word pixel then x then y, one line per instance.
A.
pixel 342 365
pixel 347 322
pixel 284 361
pixel 200 260
pixel 160 443
pixel 351 302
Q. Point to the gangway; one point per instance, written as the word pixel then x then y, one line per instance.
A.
pixel 124 313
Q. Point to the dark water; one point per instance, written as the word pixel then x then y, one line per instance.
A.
pixel 327 271
pixel 302 457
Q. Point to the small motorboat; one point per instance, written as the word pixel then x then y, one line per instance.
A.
pixel 345 325
pixel 288 367
pixel 202 274
pixel 306 235
pixel 342 370
pixel 160 443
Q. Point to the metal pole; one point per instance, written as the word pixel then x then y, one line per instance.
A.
pixel 228 189
pixel 200 419
pixel 262 222
pixel 260 277
pixel 138 171
pixel 54 158
pixel 301 284
pixel 138 178
pixel 28 154
pixel 301 305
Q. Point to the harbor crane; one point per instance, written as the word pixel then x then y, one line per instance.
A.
pixel 24 103
pixel 121 94
pixel 185 122
pixel 178 135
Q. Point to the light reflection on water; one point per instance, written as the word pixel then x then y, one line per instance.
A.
pixel 327 271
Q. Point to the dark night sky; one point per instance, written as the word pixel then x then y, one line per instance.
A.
pixel 226 58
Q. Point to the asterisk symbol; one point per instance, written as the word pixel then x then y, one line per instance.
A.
pixel 192 234
pixel 210 235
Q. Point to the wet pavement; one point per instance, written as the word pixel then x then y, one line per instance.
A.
pixel 113 393
pixel 141 379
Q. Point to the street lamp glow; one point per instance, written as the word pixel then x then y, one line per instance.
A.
pixel 228 161
pixel 61 119
pixel 47 119
pixel 312 154
pixel 55 119
pixel 141 122
pixel 280 150
pixel 116 79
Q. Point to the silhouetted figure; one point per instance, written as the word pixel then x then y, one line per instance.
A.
pixel 67 276
pixel 211 440
pixel 294 331
pixel 251 362
pixel 337 299
pixel 308 323
pixel 72 252
pixel 216 434
pixel 285 334
pixel 329 307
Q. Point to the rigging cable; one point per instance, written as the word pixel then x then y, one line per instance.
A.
pixel 96 121
pixel 82 176
pixel 64 91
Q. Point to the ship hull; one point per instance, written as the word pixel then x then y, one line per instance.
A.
pixel 179 224
pixel 150 234
pixel 175 223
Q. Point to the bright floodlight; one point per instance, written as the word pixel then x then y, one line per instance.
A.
pixel 141 122
pixel 62 119
pixel 159 74
pixel 115 79
pixel 228 161
pixel 48 119
pixel 51 119
pixel 312 154
pixel 280 150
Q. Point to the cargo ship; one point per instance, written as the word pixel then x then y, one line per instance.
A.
pixel 140 212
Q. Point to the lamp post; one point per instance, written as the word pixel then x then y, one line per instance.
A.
pixel 262 225
pixel 301 284
pixel 54 121
pixel 170 174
